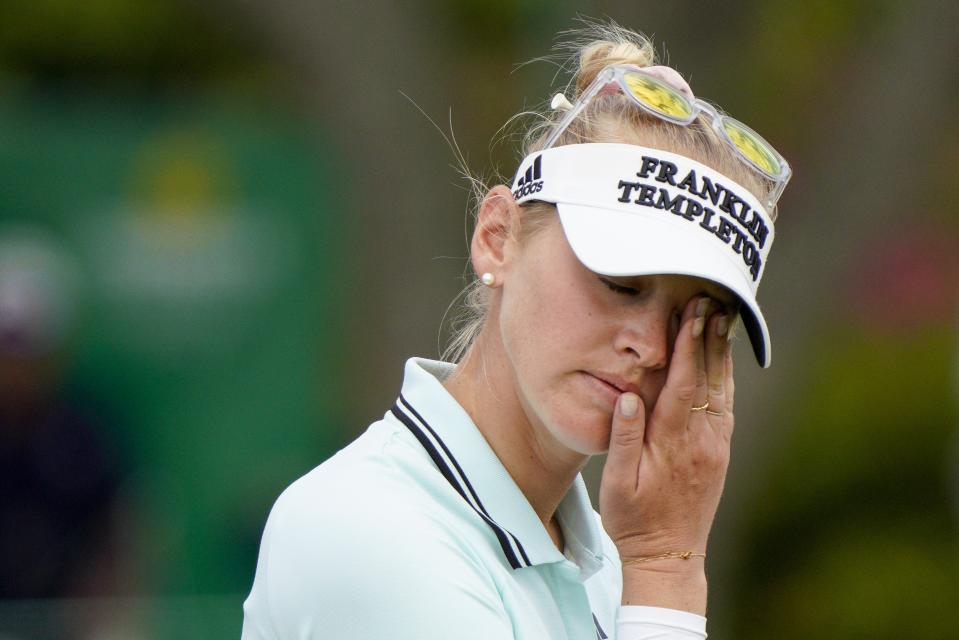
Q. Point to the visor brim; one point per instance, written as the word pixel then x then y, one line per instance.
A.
pixel 617 243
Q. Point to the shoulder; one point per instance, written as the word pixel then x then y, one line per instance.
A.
pixel 367 496
pixel 383 485
pixel 360 541
pixel 380 478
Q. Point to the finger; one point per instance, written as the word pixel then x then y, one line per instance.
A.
pixel 715 350
pixel 626 441
pixel 728 423
pixel 683 379
pixel 700 329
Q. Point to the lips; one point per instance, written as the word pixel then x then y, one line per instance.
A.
pixel 618 383
pixel 606 388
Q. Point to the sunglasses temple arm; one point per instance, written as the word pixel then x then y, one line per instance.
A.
pixel 571 115
pixel 777 192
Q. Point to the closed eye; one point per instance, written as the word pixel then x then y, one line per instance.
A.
pixel 618 288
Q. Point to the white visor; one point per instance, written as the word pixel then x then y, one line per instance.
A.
pixel 629 210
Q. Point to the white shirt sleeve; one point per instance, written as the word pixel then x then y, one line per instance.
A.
pixel 657 623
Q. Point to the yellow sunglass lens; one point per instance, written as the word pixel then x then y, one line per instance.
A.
pixel 659 96
pixel 752 146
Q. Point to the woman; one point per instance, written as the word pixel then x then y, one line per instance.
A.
pixel 609 275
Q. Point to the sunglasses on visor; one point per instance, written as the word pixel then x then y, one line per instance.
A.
pixel 662 100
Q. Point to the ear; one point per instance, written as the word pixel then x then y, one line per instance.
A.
pixel 494 235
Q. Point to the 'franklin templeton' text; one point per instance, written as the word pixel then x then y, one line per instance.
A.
pixel 707 192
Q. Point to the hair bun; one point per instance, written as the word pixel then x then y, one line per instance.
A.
pixel 619 49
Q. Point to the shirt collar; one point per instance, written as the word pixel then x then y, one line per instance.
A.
pixel 470 465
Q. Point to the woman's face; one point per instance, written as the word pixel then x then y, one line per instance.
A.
pixel 576 340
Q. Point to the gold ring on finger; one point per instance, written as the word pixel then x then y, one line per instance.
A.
pixel 705 408
pixel 714 413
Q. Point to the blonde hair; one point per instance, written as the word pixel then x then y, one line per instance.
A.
pixel 608 118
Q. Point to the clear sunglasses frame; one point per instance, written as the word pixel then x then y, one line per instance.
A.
pixel 720 122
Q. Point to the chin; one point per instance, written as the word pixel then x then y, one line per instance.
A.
pixel 585 434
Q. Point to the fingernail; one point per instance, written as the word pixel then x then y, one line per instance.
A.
pixel 628 404
pixel 722 326
pixel 701 306
pixel 698 325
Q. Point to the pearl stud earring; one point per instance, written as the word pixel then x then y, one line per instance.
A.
pixel 488 279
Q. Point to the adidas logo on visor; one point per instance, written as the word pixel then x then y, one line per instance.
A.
pixel 531 181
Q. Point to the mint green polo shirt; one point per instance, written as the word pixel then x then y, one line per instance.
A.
pixel 416 531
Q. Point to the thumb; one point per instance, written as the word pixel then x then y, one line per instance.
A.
pixel 626 439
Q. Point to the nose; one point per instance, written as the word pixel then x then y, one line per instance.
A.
pixel 646 335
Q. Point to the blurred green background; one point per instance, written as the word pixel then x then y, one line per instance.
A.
pixel 223 228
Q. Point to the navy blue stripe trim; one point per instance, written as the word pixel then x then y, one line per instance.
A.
pixel 522 551
pixel 448 474
pixel 600 634
pixel 469 485
pixel 449 454
pixel 500 531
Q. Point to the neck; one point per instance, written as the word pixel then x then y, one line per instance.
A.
pixel 484 384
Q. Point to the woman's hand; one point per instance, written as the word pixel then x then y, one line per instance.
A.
pixel 663 478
